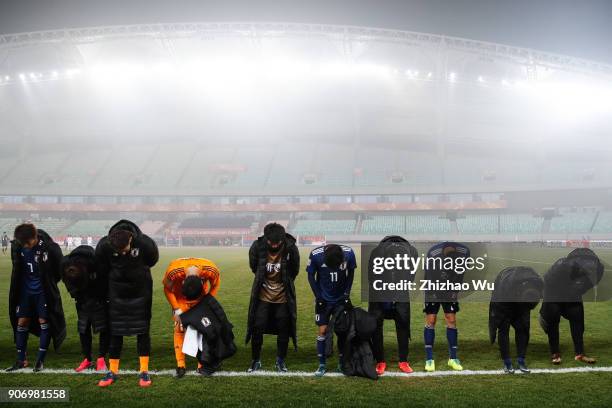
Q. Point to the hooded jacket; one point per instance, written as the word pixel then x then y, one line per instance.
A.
pixel 518 290
pixel 209 319
pixel 50 257
pixel 358 326
pixel 130 285
pixel 290 267
pixel 90 292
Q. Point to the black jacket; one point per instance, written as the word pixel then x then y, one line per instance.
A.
pixel 50 257
pixel 290 267
pixel 130 286
pixel 358 326
pixel 209 318
pixel 571 277
pixel 518 290
pixel 90 293
pixel 389 247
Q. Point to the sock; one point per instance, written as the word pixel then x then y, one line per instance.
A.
pixel 451 336
pixel 45 339
pixel 114 365
pixel 429 335
pixel 279 360
pixel 508 362
pixel 21 342
pixel 321 349
pixel 521 360
pixel 144 363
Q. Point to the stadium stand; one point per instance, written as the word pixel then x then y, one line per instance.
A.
pixel 151 227
pixel 166 166
pixel 52 226
pixel 603 223
pixel 572 222
pixel 427 224
pixel 287 167
pixel 77 172
pixel 478 224
pixel 217 222
pixel 520 224
pixel 315 227
pixel 335 165
pixel 202 172
pixel 255 171
pixel 391 224
pixel 94 228
pixel 124 168
pixel 27 175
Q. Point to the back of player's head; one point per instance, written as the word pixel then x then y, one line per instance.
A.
pixel 333 256
pixel 25 233
pixel 74 274
pixel 120 239
pixel 274 233
pixel 192 287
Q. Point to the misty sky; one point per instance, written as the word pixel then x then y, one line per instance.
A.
pixel 581 28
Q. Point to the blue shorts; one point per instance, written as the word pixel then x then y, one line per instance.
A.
pixel 32 306
pixel 324 311
pixel 434 307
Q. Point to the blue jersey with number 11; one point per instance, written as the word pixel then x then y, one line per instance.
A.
pixel 329 284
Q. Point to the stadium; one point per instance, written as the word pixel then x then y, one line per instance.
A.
pixel 204 133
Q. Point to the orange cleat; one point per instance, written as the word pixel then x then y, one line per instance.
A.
pixel 381 367
pixel 108 380
pixel 404 367
pixel 145 379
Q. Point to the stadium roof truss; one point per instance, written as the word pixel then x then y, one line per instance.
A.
pixel 346 35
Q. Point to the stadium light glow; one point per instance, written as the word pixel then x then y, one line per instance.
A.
pixel 452 76
pixel 480 79
pixel 7 78
pixel 22 77
pixel 429 74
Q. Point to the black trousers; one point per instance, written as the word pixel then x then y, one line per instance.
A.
pixel 86 339
pixel 521 338
pixel 143 345
pixel 400 314
pixel 266 315
pixel 551 313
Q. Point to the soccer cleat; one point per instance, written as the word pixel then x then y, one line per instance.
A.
pixel 180 372
pixel 585 359
pixel 108 379
pixel 320 371
pixel 144 380
pixel 205 372
pixel 280 365
pixel 17 366
pixel 85 364
pixel 556 359
pixel 523 368
pixel 508 369
pixel 381 367
pixel 255 366
pixel 430 366
pixel 404 367
pixel 38 367
pixel 100 364
pixel 455 364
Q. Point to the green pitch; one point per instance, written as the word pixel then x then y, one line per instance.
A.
pixel 475 351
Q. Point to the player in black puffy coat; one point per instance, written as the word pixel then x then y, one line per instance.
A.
pixel 564 284
pixel 126 256
pixel 89 289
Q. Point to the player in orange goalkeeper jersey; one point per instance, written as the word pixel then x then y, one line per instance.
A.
pixel 176 274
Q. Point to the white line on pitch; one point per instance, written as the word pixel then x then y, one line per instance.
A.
pixel 334 374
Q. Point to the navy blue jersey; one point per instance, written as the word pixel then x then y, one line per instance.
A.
pixel 31 284
pixel 328 284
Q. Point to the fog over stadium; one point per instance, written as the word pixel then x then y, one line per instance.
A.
pixel 342 128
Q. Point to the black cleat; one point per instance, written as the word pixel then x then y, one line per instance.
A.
pixel 255 366
pixel 205 372
pixel 508 369
pixel 39 366
pixel 180 372
pixel 17 366
pixel 523 368
pixel 280 365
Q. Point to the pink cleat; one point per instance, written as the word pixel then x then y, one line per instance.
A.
pixel 85 364
pixel 101 364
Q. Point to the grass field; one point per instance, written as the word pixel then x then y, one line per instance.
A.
pixel 475 351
